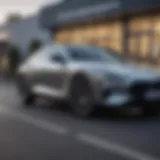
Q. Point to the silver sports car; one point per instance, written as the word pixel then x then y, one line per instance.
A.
pixel 87 77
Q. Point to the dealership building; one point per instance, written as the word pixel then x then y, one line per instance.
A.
pixel 131 27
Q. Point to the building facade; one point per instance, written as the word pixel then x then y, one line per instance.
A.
pixel 132 27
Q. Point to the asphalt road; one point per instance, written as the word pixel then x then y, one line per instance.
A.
pixel 46 133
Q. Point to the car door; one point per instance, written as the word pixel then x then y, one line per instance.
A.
pixel 55 70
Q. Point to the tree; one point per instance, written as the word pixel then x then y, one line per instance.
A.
pixel 14 59
pixel 13 17
pixel 34 45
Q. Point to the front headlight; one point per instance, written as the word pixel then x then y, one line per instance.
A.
pixel 110 80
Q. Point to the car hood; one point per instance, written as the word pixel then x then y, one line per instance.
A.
pixel 133 72
pixel 128 71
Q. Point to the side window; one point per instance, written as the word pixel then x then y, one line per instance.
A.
pixel 57 55
pixel 58 58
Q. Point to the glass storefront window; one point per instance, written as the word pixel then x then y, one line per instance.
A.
pixel 132 45
pixel 104 34
pixel 143 37
pixel 156 40
pixel 140 31
pixel 144 45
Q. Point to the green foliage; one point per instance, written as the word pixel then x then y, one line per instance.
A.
pixel 14 58
pixel 34 45
pixel 14 17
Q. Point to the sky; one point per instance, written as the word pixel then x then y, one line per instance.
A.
pixel 24 7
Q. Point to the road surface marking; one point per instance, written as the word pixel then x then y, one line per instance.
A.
pixel 112 147
pixel 43 124
pixel 82 137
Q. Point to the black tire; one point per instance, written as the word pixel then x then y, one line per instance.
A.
pixel 28 99
pixel 149 111
pixel 81 98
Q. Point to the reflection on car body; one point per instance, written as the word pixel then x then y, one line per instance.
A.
pixel 86 77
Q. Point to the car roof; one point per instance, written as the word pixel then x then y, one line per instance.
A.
pixel 71 45
pixel 80 46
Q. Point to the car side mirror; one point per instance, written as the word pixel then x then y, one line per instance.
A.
pixel 59 59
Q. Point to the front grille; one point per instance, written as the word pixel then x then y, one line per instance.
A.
pixel 156 85
pixel 106 93
pixel 140 88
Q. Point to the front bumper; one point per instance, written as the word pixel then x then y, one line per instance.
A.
pixel 118 99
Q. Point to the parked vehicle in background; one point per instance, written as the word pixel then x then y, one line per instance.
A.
pixel 87 77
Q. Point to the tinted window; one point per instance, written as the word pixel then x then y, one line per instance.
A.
pixel 116 55
pixel 92 54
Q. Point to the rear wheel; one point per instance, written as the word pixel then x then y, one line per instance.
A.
pixel 81 97
pixel 27 97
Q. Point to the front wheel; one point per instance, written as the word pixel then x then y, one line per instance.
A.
pixel 81 97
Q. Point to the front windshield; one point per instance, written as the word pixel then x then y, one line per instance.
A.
pixel 93 54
